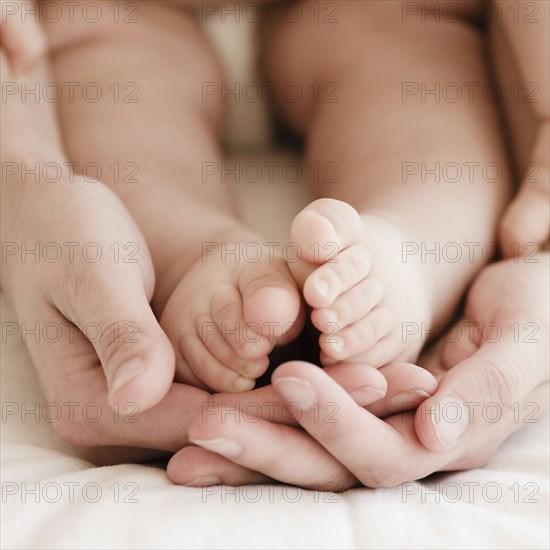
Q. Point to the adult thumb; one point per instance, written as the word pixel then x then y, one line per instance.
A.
pixel 135 354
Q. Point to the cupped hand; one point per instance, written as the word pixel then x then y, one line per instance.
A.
pixel 80 277
pixel 490 384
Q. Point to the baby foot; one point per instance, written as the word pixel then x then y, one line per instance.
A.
pixel 361 291
pixel 228 312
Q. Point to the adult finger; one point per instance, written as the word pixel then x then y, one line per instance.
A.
pixel 345 442
pixel 280 452
pixel 408 386
pixel 136 356
pixel 197 467
pixel 365 384
pixel 474 394
pixel 390 454
pixel 21 34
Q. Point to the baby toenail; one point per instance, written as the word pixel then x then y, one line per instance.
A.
pixel 330 231
pixel 339 344
pixel 322 287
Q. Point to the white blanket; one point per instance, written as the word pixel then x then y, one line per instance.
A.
pixel 51 499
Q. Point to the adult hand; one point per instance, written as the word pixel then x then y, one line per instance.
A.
pixel 80 277
pixel 505 372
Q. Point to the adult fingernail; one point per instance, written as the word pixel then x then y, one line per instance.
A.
pixel 204 481
pixel 296 390
pixel 450 420
pixel 220 445
pixel 124 374
pixel 367 395
pixel 407 400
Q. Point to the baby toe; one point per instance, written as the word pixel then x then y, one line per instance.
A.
pixel 270 298
pixel 245 338
pixel 184 374
pixel 208 369
pixel 382 353
pixel 214 341
pixel 330 280
pixel 349 306
pixel 359 336
pixel 325 227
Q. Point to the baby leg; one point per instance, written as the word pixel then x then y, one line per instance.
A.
pixel 368 273
pixel 153 141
